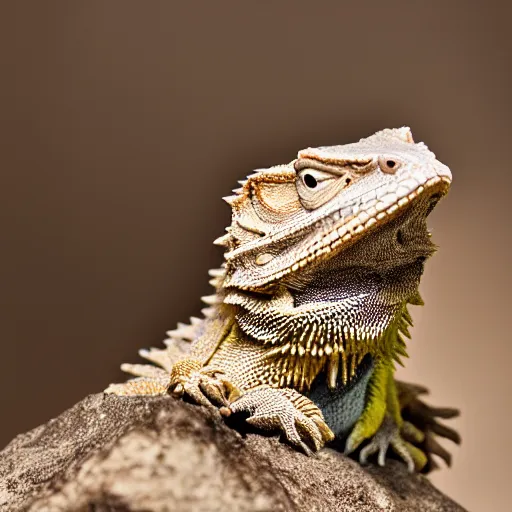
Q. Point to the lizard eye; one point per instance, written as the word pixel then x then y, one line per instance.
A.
pixel 315 187
pixel 315 179
pixel 309 180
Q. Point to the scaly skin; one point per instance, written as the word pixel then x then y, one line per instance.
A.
pixel 309 316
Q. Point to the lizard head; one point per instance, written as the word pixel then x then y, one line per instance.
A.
pixel 290 219
pixel 324 254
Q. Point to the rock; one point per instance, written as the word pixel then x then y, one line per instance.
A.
pixel 111 453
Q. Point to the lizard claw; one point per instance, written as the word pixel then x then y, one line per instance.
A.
pixel 286 410
pixel 204 385
pixel 389 435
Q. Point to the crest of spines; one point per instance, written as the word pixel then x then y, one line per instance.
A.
pixel 188 332
pixel 191 331
pixel 227 240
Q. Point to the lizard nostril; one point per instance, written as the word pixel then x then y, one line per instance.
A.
pixel 400 237
pixel 388 165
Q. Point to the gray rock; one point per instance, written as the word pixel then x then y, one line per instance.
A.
pixel 112 453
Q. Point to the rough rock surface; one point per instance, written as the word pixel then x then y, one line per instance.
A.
pixel 156 454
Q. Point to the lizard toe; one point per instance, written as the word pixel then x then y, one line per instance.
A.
pixel 284 423
pixel 423 425
pixel 204 385
pixel 192 389
pixel 288 411
pixel 387 436
pixel 214 389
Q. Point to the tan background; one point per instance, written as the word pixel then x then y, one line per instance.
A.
pixel 123 123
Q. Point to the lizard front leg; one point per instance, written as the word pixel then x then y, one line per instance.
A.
pixel 286 410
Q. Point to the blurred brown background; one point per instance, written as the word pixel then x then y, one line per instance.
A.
pixel 123 123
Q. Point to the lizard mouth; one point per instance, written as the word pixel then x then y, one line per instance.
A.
pixel 345 232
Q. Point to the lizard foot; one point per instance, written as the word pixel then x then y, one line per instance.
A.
pixel 203 384
pixel 287 410
pixel 425 419
pixel 390 435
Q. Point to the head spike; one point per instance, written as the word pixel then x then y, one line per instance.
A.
pixel 210 300
pixel 406 133
pixel 216 272
pixel 223 240
pixel 255 174
pixel 230 199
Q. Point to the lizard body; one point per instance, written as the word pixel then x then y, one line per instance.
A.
pixel 322 258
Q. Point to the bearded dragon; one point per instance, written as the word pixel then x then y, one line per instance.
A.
pixel 322 258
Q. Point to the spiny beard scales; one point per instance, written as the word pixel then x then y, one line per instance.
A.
pixel 338 319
